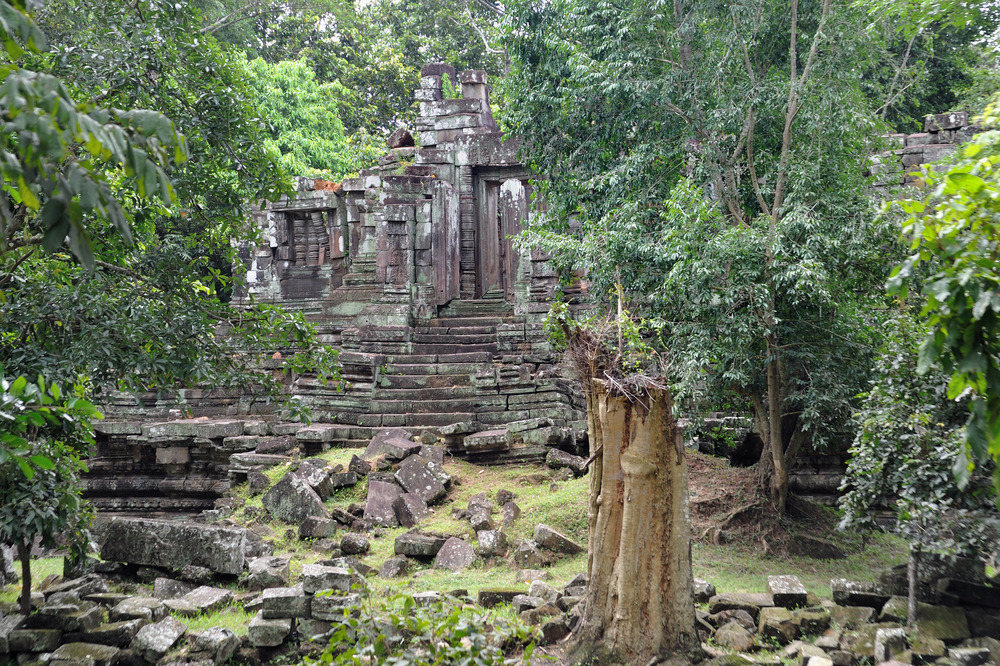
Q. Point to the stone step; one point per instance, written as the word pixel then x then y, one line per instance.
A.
pixel 425 369
pixel 422 406
pixel 424 381
pixel 468 320
pixel 447 337
pixel 431 359
pixel 447 348
pixel 460 330
pixel 426 393
pixel 432 419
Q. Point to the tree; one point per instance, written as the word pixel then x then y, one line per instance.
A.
pixel 710 164
pixel 954 233
pixel 639 602
pixel 43 500
pixel 909 434
pixel 149 312
pixel 306 130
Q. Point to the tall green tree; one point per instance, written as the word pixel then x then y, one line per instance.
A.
pixel 708 160
pixel 954 234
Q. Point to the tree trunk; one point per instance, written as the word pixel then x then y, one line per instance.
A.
pixel 24 554
pixel 779 477
pixel 639 599
pixel 911 584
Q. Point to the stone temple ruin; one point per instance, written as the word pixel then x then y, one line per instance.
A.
pixel 411 270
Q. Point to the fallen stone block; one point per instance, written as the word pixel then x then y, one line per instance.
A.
pixel 410 509
pixel 703 591
pixel 550 539
pixel 491 543
pixel 285 602
pixel 117 634
pixel 559 459
pixel 379 504
pixel 317 577
pixel 172 545
pixel 415 477
pixel 267 572
pixel 418 545
pixel 332 606
pixel 776 624
pixel 138 608
pixel 455 554
pixel 206 599
pixel 154 640
pixel 395 566
pixel 355 543
pixel 268 632
pixel 853 593
pixel 316 527
pixel 488 598
pixel 787 591
pixel 33 640
pixel 733 636
pixel 76 654
pixel 291 500
pixel 749 602
pixel 219 642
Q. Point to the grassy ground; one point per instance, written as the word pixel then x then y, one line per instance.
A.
pixel 732 567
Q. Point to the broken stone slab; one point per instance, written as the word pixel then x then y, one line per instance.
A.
pixel 252 459
pixel 733 636
pixel 155 640
pixel 119 634
pixel 528 556
pixel 219 642
pixel 415 477
pixel 169 588
pixel 79 587
pixel 394 443
pixel 541 589
pixel 378 506
pixel 703 591
pixel 851 617
pixel 315 475
pixel 317 577
pixel 787 591
pixel 854 593
pixel 292 500
pixel 268 632
pixel 814 620
pixel 862 642
pixel 206 598
pixel 395 566
pixel 559 459
pixel 344 480
pixel 410 509
pixel 400 138
pixel 190 428
pixel 746 601
pixel 33 640
pixel 455 554
pixel 76 654
pixel 969 656
pixel 964 593
pixel 332 606
pixel 355 543
pixel 317 432
pixel 181 607
pixel 173 545
pixel 359 466
pixel 418 545
pixel 267 572
pixel 285 602
pixel 316 527
pixel 488 598
pixel 491 543
pixel 481 520
pixel 889 643
pixel 550 539
pixel 138 608
pixel 486 441
pixel 523 602
pixel 776 624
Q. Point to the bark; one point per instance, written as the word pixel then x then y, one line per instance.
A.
pixel 911 582
pixel 24 554
pixel 639 601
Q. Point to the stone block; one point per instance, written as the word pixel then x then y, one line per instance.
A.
pixel 268 632
pixel 415 477
pixel 118 634
pixel 207 599
pixel 746 601
pixel 267 572
pixel 488 598
pixel 172 544
pixel 550 539
pixel 33 640
pixel 331 605
pixel 291 500
pixel 455 554
pixel 786 591
pixel 173 455
pixel 776 624
pixel 379 504
pixel 284 602
pixel 853 593
pixel 703 591
pixel 138 608
pixel 889 643
pixel 410 509
pixel 317 577
pixel 219 642
pixel 84 654
pixel 155 640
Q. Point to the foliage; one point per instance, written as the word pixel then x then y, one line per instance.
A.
pixel 909 433
pixel 153 314
pixel 398 630
pixel 43 502
pixel 306 130
pixel 61 160
pixel 954 233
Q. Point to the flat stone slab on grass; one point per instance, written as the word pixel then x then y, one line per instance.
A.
pixel 154 640
pixel 172 544
pixel 550 539
pixel 75 654
pixel 418 545
pixel 854 593
pixel 456 554
pixel 787 591
pixel 207 598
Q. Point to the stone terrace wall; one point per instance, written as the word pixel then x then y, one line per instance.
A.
pixel 942 134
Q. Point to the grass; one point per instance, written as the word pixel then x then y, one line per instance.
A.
pixel 41 568
pixel 733 567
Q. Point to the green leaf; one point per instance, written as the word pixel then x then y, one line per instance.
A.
pixel 43 462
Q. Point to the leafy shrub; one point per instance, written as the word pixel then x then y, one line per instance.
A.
pixel 400 631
